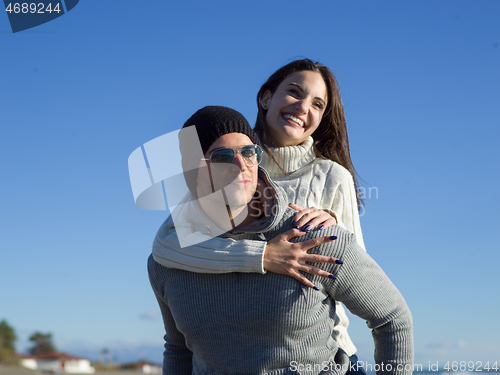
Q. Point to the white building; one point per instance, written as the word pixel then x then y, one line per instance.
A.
pixel 150 368
pixel 145 367
pixel 58 363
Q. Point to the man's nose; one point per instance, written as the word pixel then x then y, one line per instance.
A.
pixel 239 163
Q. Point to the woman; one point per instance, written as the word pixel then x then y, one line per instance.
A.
pixel 302 127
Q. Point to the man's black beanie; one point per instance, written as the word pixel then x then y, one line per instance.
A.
pixel 212 122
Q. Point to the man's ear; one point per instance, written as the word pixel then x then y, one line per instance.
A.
pixel 266 97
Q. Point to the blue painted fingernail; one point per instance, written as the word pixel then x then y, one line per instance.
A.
pixel 306 228
pixel 315 287
pixel 293 223
pixel 333 237
pixel 332 276
pixel 296 227
pixel 321 227
pixel 338 261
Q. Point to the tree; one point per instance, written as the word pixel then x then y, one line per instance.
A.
pixel 42 343
pixel 7 340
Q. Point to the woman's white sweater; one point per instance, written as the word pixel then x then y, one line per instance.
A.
pixel 314 182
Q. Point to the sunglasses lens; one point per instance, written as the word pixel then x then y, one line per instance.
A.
pixel 222 156
pixel 250 153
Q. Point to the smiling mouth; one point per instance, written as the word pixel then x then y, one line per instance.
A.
pixel 294 119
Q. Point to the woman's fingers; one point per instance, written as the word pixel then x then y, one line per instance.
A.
pixel 322 221
pixel 304 280
pixel 306 245
pixel 313 271
pixel 304 216
pixel 296 207
pixel 316 271
pixel 314 258
pixel 287 258
pixel 313 242
pixel 289 234
pixel 311 218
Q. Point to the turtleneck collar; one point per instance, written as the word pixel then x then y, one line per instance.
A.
pixel 291 158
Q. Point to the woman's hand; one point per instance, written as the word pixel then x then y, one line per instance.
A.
pixel 309 218
pixel 288 258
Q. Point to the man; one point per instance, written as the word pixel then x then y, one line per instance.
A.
pixel 248 323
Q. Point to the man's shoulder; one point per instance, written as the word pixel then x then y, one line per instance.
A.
pixel 155 268
pixel 160 275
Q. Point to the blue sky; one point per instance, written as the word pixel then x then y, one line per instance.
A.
pixel 420 83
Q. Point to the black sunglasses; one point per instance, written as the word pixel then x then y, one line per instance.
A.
pixel 224 157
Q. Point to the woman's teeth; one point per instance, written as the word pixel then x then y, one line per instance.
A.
pixel 294 119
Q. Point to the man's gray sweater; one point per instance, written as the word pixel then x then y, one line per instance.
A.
pixel 249 323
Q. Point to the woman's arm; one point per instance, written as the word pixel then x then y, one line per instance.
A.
pixel 207 254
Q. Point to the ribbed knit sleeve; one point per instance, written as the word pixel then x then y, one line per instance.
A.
pixel 368 293
pixel 207 254
pixel 177 358
pixel 199 249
